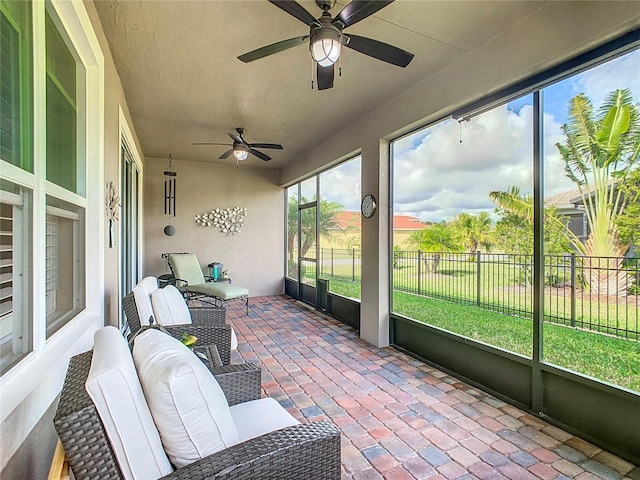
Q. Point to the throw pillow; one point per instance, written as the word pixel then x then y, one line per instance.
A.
pixel 186 402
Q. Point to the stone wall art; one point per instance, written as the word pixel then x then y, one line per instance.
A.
pixel 228 220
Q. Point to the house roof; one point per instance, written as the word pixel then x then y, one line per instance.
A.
pixel 348 219
pixel 571 198
pixel 563 199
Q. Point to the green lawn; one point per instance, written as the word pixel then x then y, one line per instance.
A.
pixel 502 290
pixel 611 359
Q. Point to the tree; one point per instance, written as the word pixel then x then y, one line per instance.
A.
pixel 514 229
pixel 474 230
pixel 437 238
pixel 598 152
pixel 628 222
pixel 514 232
pixel 328 221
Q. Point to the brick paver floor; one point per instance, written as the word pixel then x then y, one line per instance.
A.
pixel 400 418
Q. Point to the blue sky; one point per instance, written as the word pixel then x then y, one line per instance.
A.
pixel 437 177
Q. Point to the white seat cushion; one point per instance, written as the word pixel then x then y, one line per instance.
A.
pixel 169 307
pixel 187 404
pixel 114 388
pixel 258 417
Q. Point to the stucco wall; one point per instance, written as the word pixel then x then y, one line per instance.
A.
pixel 254 257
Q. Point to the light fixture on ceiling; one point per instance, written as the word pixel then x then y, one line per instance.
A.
pixel 241 152
pixel 325 45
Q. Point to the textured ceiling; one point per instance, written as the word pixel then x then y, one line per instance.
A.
pixel 183 83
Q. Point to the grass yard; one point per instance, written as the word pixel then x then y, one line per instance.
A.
pixel 611 359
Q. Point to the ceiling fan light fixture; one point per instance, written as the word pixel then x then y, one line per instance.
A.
pixel 240 152
pixel 325 46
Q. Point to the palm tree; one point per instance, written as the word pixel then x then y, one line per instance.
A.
pixel 438 238
pixel 328 222
pixel 474 230
pixel 599 151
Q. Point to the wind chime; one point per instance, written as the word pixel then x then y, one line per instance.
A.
pixel 170 196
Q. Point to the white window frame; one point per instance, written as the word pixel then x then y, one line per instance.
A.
pixel 39 374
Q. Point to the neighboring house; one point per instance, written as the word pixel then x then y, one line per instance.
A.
pixel 569 205
pixel 347 233
pixel 404 226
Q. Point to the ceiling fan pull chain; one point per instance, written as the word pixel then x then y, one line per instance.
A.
pixel 340 58
pixel 312 72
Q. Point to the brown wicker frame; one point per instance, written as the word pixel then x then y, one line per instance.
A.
pixel 309 451
pixel 208 325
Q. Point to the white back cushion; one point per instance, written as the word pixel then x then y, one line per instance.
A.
pixel 169 307
pixel 143 305
pixel 187 404
pixel 142 294
pixel 150 284
pixel 115 390
pixel 258 417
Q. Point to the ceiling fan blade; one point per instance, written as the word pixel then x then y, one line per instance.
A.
pixel 260 155
pixel 265 145
pixel 359 10
pixel 296 10
pixel 225 154
pixel 210 143
pixel 325 77
pixel 235 138
pixel 380 50
pixel 273 48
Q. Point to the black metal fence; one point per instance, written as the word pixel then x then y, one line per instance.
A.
pixel 594 293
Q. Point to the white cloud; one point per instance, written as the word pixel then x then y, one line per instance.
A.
pixel 622 72
pixel 437 177
pixel 342 184
pixel 442 177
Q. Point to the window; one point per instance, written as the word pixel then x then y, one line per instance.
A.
pixel 64 271
pixel 292 232
pixel 340 225
pixel 456 264
pixel 44 221
pixel 15 285
pixel 15 84
pixel 591 301
pixel 450 175
pixel 63 165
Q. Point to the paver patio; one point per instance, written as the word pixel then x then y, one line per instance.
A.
pixel 401 418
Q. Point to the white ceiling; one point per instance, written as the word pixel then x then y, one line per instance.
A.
pixel 183 83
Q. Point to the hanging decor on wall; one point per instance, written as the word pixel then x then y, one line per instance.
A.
pixel 170 189
pixel 170 196
pixel 112 202
pixel 228 220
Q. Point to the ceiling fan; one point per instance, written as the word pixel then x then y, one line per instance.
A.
pixel 241 149
pixel 326 37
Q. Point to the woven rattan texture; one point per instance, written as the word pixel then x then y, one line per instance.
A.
pixel 80 429
pixel 240 383
pixel 220 336
pixel 307 451
pixel 208 325
pixel 310 451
